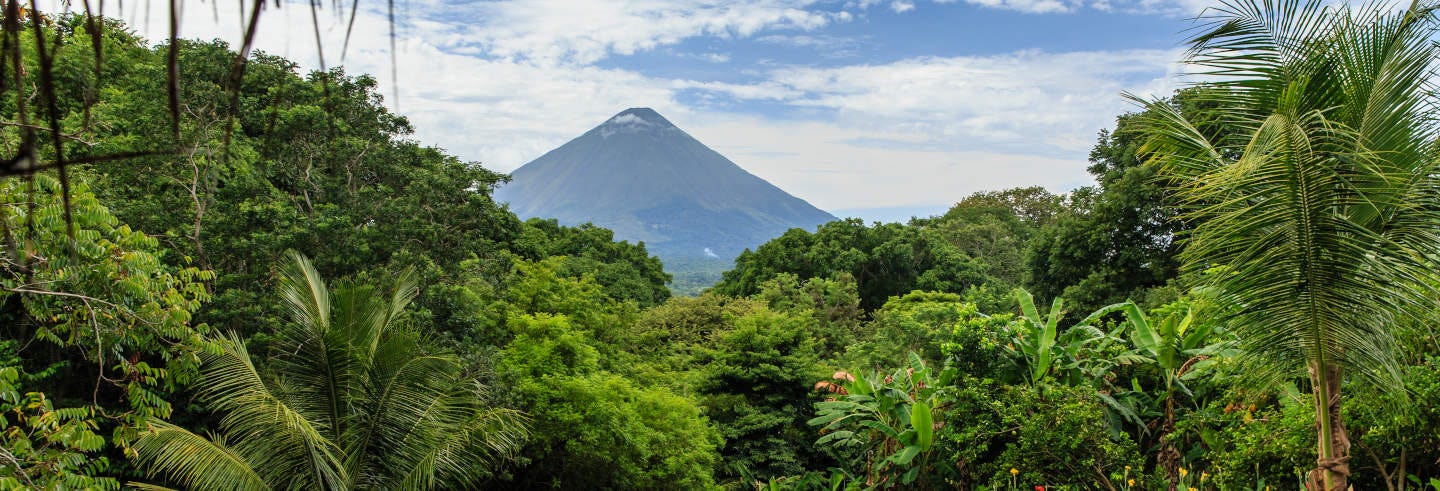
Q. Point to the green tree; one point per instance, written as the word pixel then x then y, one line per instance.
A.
pixel 757 388
pixel 48 447
pixel 1324 214
pixel 885 260
pixel 595 428
pixel 1051 435
pixel 832 304
pixel 1117 240
pixel 356 401
pixel 918 322
pixel 599 389
pixel 675 337
pixel 1180 339
pixel 311 162
pixel 1077 355
pixel 994 227
pixel 626 271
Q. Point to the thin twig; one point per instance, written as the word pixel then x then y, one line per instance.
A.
pixel 18 468
pixel 69 295
pixel 87 160
pixel 394 72
pixel 237 69
pixel 350 26
pixel 70 137
pixel 99 356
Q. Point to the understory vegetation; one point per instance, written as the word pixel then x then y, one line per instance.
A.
pixel 280 289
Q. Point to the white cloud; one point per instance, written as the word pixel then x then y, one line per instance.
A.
pixel 715 57
pixel 555 31
pixel 1164 7
pixel 1030 6
pixel 497 111
pixel 762 91
pixel 820 161
pixel 832 47
pixel 1054 101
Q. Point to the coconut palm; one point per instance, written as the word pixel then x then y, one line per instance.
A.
pixel 1320 220
pixel 354 401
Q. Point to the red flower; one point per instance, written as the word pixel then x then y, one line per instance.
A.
pixel 1039 488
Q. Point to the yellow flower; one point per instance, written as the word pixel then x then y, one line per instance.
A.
pixel 1184 472
pixel 1131 483
pixel 1014 471
pixel 1204 475
pixel 1191 489
pixel 1127 468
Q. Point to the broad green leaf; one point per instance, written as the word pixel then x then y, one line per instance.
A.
pixel 905 455
pixel 920 420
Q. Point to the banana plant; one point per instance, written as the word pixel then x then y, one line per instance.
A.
pixel 1074 356
pixel 1036 338
pixel 1180 344
pixel 809 481
pixel 891 417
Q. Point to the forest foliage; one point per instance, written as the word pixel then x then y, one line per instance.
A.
pixel 305 297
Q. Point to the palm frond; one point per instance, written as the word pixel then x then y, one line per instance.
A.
pixel 319 359
pixel 281 443
pixel 305 294
pixel 193 460
pixel 467 455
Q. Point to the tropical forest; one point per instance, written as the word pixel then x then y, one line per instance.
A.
pixel 221 271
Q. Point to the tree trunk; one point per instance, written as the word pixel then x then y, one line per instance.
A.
pixel 1332 472
pixel 1169 456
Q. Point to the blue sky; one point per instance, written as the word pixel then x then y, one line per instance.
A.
pixel 888 106
pixel 880 35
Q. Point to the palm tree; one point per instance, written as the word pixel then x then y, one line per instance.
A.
pixel 1321 219
pixel 354 402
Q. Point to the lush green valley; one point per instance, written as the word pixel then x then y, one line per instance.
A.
pixel 269 284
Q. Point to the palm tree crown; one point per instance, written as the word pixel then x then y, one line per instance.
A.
pixel 1323 217
pixel 354 402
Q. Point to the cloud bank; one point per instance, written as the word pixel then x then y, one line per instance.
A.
pixel 501 83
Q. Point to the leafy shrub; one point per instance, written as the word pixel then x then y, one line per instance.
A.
pixel 1051 434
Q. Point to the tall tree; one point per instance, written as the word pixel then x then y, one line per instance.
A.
pixel 993 227
pixel 1116 240
pixel 1324 215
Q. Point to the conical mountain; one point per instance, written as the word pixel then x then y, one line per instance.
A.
pixel 647 180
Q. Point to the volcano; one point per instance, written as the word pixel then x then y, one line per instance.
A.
pixel 647 180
